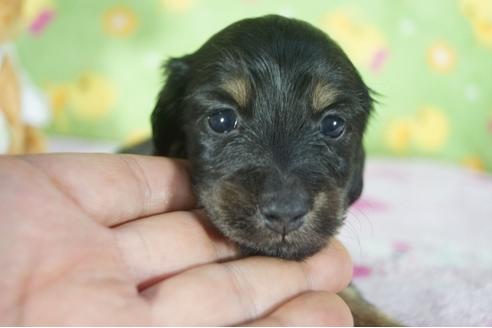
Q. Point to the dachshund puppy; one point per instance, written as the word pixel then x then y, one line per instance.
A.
pixel 270 113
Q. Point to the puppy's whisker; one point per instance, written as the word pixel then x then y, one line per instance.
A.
pixel 359 213
pixel 352 234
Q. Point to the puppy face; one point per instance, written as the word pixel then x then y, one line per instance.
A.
pixel 270 113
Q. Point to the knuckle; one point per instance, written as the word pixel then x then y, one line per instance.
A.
pixel 324 309
pixel 332 270
pixel 339 313
pixel 345 269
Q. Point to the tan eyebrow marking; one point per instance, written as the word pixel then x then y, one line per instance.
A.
pixel 323 96
pixel 238 89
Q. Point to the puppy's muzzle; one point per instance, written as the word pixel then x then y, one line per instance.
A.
pixel 283 205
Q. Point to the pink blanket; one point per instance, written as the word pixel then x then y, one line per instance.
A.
pixel 421 239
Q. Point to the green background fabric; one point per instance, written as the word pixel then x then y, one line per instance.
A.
pixel 431 61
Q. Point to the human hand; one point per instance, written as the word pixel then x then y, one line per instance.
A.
pixel 114 240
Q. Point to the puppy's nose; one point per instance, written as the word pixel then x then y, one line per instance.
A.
pixel 284 213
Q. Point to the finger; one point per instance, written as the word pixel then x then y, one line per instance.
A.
pixel 243 290
pixel 309 309
pixel 162 245
pixel 114 189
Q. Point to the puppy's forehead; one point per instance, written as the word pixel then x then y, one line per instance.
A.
pixel 319 94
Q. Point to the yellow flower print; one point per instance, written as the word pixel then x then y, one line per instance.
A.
pixel 32 8
pixel 427 130
pixel 479 13
pixel 58 95
pixel 431 128
pixel 441 57
pixel 136 136
pixel 474 162
pixel 89 97
pixel 177 6
pixel 483 29
pixel 363 42
pixel 120 21
pixel 92 96
pixel 398 135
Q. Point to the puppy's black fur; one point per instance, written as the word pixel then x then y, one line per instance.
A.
pixel 286 76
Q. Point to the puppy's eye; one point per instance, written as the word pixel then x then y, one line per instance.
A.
pixel 332 126
pixel 223 121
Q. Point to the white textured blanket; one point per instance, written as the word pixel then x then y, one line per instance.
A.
pixel 421 239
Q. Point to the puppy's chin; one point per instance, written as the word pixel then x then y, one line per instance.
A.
pixel 299 244
pixel 254 238
pixel 288 250
pixel 234 212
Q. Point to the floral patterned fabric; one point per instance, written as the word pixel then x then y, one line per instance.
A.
pixel 422 252
pixel 430 61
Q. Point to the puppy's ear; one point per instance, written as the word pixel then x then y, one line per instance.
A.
pixel 168 135
pixel 356 183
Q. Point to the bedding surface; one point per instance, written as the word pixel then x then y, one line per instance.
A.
pixel 421 240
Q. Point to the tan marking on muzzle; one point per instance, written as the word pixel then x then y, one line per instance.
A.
pixel 321 199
